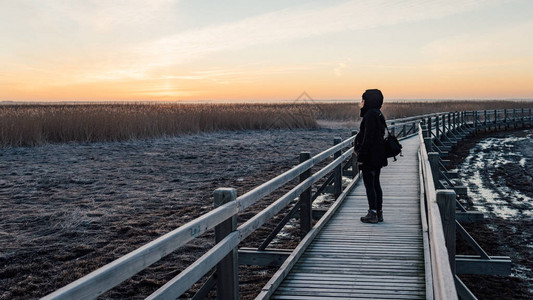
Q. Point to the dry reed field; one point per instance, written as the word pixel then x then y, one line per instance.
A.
pixel 30 125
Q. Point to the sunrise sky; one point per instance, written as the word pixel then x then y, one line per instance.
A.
pixel 56 50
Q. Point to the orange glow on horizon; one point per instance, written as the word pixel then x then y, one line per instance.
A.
pixel 171 51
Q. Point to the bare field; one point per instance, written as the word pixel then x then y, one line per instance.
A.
pixel 67 209
pixel 30 125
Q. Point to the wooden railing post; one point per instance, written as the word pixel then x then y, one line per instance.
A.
pixel 355 167
pixel 505 117
pixel 444 124
pixel 306 218
pixel 437 127
pixel 446 203
pixel 228 267
pixel 428 124
pixel 474 113
pixel 514 118
pixel 433 158
pixel 427 140
pixel 337 181
pixel 454 115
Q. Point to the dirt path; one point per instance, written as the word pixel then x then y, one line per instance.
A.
pixel 69 209
pixel 498 170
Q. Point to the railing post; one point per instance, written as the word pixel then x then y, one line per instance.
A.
pixel 355 168
pixel 228 267
pixel 428 123
pixel 496 127
pixel 427 140
pixel 442 124
pixel 474 113
pixel 505 117
pixel 433 158
pixel 454 114
pixel 306 218
pixel 437 127
pixel 337 181
pixel 485 120
pixel 427 143
pixel 392 128
pixel 514 118
pixel 446 203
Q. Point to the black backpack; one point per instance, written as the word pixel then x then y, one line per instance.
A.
pixel 392 145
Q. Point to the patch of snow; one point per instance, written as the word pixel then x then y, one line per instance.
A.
pixel 487 194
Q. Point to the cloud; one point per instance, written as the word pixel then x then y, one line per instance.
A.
pixel 125 60
pixel 297 23
pixel 505 46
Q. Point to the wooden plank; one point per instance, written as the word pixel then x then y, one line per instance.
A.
pixel 469 217
pixel 354 295
pixel 278 277
pixel 470 264
pixel 349 291
pixel 355 278
pixel 254 257
pixel 315 297
pixel 339 285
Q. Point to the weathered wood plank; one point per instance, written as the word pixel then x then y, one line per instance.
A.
pixel 276 280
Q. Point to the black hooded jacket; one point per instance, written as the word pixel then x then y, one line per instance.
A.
pixel 369 142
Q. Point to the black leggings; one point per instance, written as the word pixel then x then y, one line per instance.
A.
pixel 373 189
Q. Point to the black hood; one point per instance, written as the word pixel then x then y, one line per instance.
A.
pixel 373 100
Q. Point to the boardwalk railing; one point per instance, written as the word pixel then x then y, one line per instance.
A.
pixel 224 254
pixel 442 278
pixel 112 274
pixel 438 133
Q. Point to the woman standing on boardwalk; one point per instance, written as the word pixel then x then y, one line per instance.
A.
pixel 370 149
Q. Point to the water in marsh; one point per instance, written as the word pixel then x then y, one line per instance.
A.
pixel 498 172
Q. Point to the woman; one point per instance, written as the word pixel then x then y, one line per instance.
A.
pixel 370 149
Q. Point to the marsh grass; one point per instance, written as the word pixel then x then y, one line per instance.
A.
pixel 30 125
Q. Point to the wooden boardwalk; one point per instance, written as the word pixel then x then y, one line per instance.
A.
pixel 352 260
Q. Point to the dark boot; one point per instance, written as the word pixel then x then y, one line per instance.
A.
pixel 371 217
pixel 380 216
